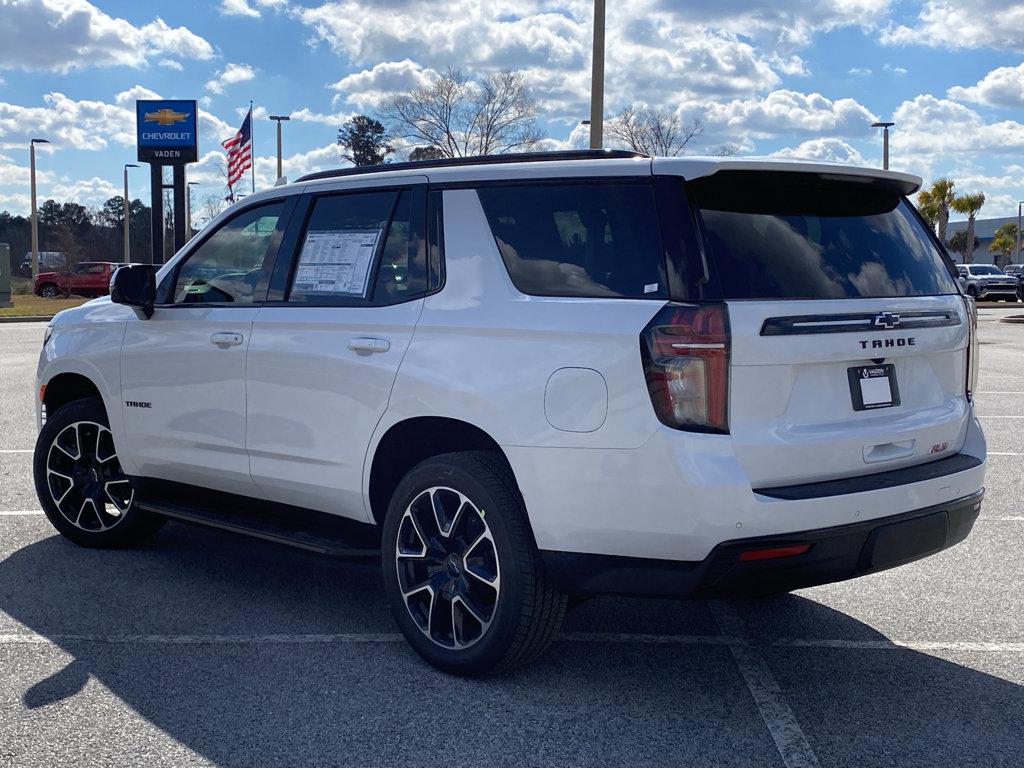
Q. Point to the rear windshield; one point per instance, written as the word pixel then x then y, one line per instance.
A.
pixel 598 239
pixel 798 236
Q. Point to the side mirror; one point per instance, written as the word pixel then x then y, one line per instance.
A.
pixel 134 285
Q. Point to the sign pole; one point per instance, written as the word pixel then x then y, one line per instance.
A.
pixel 156 208
pixel 179 207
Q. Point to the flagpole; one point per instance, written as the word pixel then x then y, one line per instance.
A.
pixel 252 138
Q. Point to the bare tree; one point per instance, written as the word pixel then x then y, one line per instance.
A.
pixel 210 207
pixel 653 131
pixel 459 117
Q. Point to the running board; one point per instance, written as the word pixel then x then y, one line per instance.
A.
pixel 306 529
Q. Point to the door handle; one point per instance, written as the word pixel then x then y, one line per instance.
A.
pixel 226 339
pixel 366 344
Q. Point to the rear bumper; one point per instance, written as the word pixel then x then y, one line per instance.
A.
pixel 836 553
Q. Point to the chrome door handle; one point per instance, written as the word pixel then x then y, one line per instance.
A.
pixel 366 344
pixel 226 339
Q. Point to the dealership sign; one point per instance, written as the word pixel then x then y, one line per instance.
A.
pixel 166 131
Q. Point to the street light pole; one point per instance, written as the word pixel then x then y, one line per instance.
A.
pixel 35 214
pixel 597 80
pixel 188 210
pixel 127 214
pixel 885 142
pixel 1019 204
pixel 279 119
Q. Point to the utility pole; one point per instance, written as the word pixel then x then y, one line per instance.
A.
pixel 279 119
pixel 35 214
pixel 127 214
pixel 252 142
pixel 597 80
pixel 885 142
pixel 188 210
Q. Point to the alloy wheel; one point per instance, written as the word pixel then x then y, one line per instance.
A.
pixel 85 478
pixel 448 567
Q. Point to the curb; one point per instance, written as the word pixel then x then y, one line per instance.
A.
pixel 26 319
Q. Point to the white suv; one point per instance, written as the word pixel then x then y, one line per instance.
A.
pixel 525 378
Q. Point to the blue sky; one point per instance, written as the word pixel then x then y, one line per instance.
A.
pixel 771 76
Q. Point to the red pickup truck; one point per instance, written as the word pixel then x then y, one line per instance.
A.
pixel 85 279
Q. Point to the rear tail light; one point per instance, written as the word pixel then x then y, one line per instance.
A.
pixel 972 346
pixel 685 352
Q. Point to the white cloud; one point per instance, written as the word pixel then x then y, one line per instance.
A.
pixel 789 23
pixel 1002 87
pixel 238 8
pixel 371 87
pixel 828 150
pixel 230 75
pixel 893 69
pixel 128 97
pixel 786 112
pixel 653 55
pixel 936 136
pixel 335 120
pixel 859 71
pixel 88 192
pixel 72 34
pixel 242 7
pixel 963 24
pixel 171 64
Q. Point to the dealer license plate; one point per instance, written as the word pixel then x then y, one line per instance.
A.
pixel 873 387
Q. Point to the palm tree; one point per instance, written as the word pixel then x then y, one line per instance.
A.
pixel 969 204
pixel 1003 243
pixel 935 202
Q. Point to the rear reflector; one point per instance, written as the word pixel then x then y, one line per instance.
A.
pixel 764 553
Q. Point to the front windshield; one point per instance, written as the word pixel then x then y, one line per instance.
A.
pixel 986 269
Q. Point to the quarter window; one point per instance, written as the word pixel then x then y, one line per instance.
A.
pixel 597 239
pixel 230 264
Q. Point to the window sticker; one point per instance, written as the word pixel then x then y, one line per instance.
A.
pixel 336 262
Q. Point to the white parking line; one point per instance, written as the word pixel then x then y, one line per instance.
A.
pixel 1000 416
pixel 1006 453
pixel 16 451
pixel 639 639
pixel 771 703
pixel 21 512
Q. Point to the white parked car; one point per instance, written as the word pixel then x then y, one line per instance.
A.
pixel 524 378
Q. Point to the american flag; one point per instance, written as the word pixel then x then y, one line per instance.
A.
pixel 239 149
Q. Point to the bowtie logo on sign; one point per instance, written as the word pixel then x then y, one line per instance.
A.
pixel 165 117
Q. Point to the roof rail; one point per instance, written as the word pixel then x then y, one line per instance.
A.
pixel 513 157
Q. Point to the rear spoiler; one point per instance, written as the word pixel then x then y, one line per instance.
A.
pixel 697 167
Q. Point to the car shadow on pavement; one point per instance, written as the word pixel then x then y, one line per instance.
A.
pixel 213 640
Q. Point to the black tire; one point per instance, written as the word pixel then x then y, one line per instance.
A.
pixel 526 614
pixel 49 290
pixel 88 477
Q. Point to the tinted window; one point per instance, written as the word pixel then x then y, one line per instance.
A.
pixel 789 235
pixel 986 269
pixel 403 263
pixel 597 240
pixel 340 246
pixel 229 265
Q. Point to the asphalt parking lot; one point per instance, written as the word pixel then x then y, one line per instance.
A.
pixel 203 648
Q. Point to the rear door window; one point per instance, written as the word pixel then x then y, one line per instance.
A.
pixel 798 236
pixel 570 239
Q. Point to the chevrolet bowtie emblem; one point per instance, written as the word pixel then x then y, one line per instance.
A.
pixel 165 116
pixel 887 320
